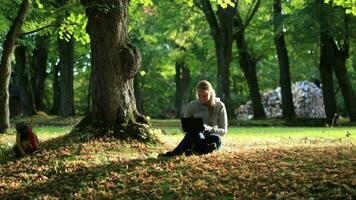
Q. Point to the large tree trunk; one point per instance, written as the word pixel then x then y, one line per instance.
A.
pixel 138 90
pixel 114 64
pixel 56 91
pixel 182 79
pixel 283 61
pixel 23 81
pixel 40 57
pixel 221 26
pixel 88 99
pixel 248 66
pixel 5 64
pixel 66 63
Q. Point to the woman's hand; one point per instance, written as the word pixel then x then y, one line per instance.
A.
pixel 207 128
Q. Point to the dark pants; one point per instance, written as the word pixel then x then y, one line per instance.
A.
pixel 198 142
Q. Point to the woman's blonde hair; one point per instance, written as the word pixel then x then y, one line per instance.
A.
pixel 206 85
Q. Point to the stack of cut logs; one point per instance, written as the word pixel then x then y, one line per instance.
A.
pixel 307 99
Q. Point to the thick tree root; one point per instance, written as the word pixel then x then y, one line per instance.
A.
pixel 130 129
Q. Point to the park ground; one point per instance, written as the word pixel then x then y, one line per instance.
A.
pixel 255 163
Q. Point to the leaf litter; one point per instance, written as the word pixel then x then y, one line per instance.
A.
pixel 112 169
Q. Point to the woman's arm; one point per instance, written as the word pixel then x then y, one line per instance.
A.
pixel 188 111
pixel 221 128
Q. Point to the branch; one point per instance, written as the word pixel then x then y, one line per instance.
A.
pixel 17 4
pixel 251 13
pixel 238 23
pixel 37 30
pixel 210 16
pixel 198 4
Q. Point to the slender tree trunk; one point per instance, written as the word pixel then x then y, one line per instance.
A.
pixel 339 66
pixel 221 26
pixel 56 91
pixel 183 80
pixel 5 64
pixel 337 53
pixel 248 66
pixel 283 61
pixel 114 64
pixel 346 87
pixel 325 65
pixel 66 63
pixel 327 85
pixel 247 61
pixel 23 81
pixel 40 57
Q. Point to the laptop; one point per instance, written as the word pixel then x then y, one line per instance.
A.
pixel 192 125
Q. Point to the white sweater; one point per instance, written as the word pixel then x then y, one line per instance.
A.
pixel 218 120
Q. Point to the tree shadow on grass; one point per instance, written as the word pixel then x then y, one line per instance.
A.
pixel 271 175
pixel 67 140
pixel 91 182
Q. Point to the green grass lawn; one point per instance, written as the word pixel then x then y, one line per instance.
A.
pixel 255 163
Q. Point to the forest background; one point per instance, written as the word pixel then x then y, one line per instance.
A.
pixel 51 66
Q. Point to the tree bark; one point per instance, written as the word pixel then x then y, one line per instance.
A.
pixel 339 66
pixel 325 66
pixel 337 53
pixel 23 81
pixel 138 90
pixel 66 63
pixel 114 64
pixel 183 80
pixel 327 84
pixel 5 64
pixel 248 66
pixel 39 64
pixel 247 61
pixel 283 61
pixel 88 99
pixel 56 91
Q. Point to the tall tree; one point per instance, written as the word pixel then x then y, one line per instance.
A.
pixel 5 64
pixel 221 25
pixel 23 80
pixel 114 63
pixel 56 91
pixel 66 63
pixel 183 79
pixel 325 66
pixel 39 65
pixel 327 83
pixel 336 53
pixel 283 61
pixel 246 59
pixel 341 54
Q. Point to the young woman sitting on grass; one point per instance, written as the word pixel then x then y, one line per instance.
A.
pixel 213 112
